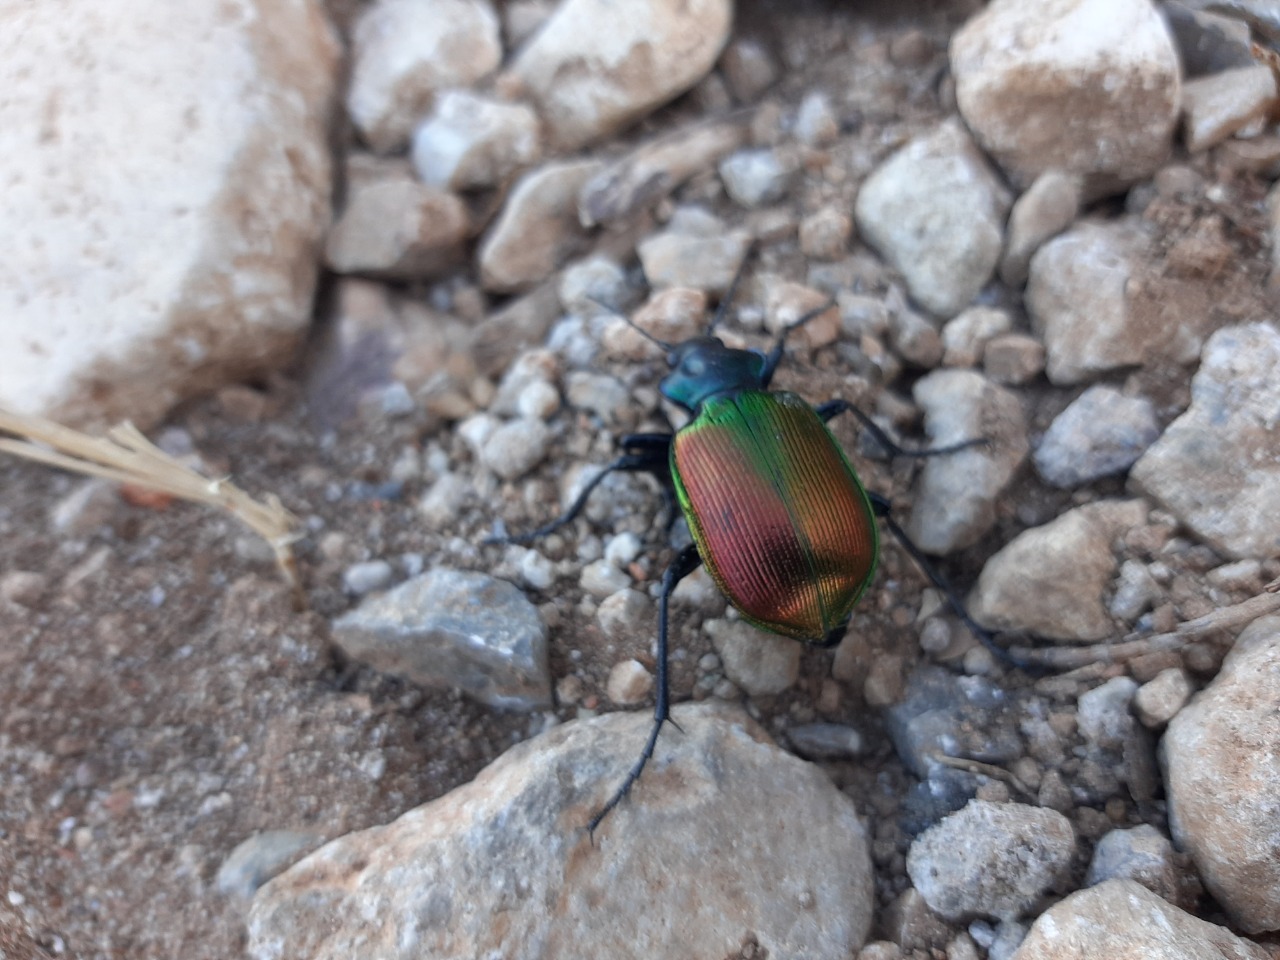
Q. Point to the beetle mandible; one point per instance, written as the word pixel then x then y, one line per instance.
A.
pixel 776 512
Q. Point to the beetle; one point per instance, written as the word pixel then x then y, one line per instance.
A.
pixel 776 512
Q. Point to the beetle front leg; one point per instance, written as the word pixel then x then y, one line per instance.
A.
pixel 833 408
pixel 883 510
pixel 647 452
pixel 686 561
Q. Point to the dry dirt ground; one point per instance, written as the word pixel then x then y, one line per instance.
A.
pixel 160 701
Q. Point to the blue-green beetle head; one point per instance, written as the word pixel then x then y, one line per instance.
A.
pixel 703 367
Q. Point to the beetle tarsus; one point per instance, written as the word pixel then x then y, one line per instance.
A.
pixel 685 562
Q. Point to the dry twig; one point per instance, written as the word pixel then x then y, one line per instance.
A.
pixel 126 456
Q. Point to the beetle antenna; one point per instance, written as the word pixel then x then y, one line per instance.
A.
pixel 723 307
pixel 632 324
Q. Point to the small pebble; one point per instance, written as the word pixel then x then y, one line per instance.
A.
pixel 623 612
pixel 601 579
pixel 1159 700
pixel 23 587
pixel 361 578
pixel 629 683
pixel 753 178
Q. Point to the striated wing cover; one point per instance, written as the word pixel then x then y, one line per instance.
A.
pixel 778 515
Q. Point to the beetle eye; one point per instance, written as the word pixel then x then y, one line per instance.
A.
pixel 693 366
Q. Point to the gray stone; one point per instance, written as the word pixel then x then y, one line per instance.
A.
pixel 1102 432
pixel 515 448
pixel 1145 855
pixel 1217 106
pixel 366 577
pixel 1103 713
pixel 1051 580
pixel 955 501
pixel 991 859
pixel 1091 88
pixel 1222 775
pixel 1011 359
pixel 1215 467
pixel 450 628
pixel 471 142
pixel 1207 42
pixel 601 579
pixel 1159 699
pixel 633 64
pixel 1122 920
pixel 826 741
pixel 1048 207
pixel 936 212
pixel 965 336
pixel 599 394
pixel 680 259
pixel 705 842
pixel 760 663
pixel 749 68
pixel 593 284
pixel 753 178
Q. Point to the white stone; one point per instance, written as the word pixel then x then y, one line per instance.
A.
pixel 405 51
pixel 596 66
pixel 1086 86
pixel 472 142
pixel 166 181
pixel 1217 106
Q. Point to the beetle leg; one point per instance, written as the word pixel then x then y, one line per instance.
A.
pixel 650 454
pixel 882 510
pixel 774 356
pixel 833 408
pixel 686 561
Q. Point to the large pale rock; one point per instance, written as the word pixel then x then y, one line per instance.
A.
pixel 1121 920
pixel 167 180
pixel 1215 467
pixel 1222 773
pixel 406 51
pixel 935 210
pixel 725 840
pixel 1086 86
pixel 1051 581
pixel 538 229
pixel 1094 296
pixel 596 66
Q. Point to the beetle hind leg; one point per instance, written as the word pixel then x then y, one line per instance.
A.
pixel 645 453
pixel 833 408
pixel 686 561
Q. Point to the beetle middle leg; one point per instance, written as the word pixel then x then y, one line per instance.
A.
pixel 833 408
pixel 645 452
pixel 685 562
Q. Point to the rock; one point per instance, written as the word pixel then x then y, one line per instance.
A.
pixel 914 338
pixel 1011 359
pixel 912 925
pixel 816 122
pixel 629 682
pixel 602 579
pixel 826 741
pixel 1145 855
pixel 1090 87
pixel 160 229
pixel 23 587
pixel 824 234
pixel 785 303
pixel 404 52
pixel 515 448
pixel 361 578
pixel 471 142
pixel 264 855
pixel 1051 580
pixel 1222 776
pixel 593 284
pixel 538 228
pixel 965 337
pixel 754 178
pixel 991 859
pixel 749 68
pixel 1122 920
pixel 670 316
pixel 1103 713
pixel 1214 467
pixel 1217 106
pixel 1102 432
pixel 705 841
pixel 633 63
pixel 449 628
pixel 936 212
pixel 532 367
pixel 396 228
pixel 653 170
pixel 707 259
pixel 1048 207
pixel 599 394
pixel 622 614
pixel 1207 42
pixel 1082 298
pixel 1136 592
pixel 760 663
pixel 955 501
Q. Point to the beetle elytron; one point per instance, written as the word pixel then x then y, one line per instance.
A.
pixel 777 514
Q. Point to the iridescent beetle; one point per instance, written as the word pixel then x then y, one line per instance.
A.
pixel 777 514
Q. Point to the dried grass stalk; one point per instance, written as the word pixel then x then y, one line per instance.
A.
pixel 124 455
